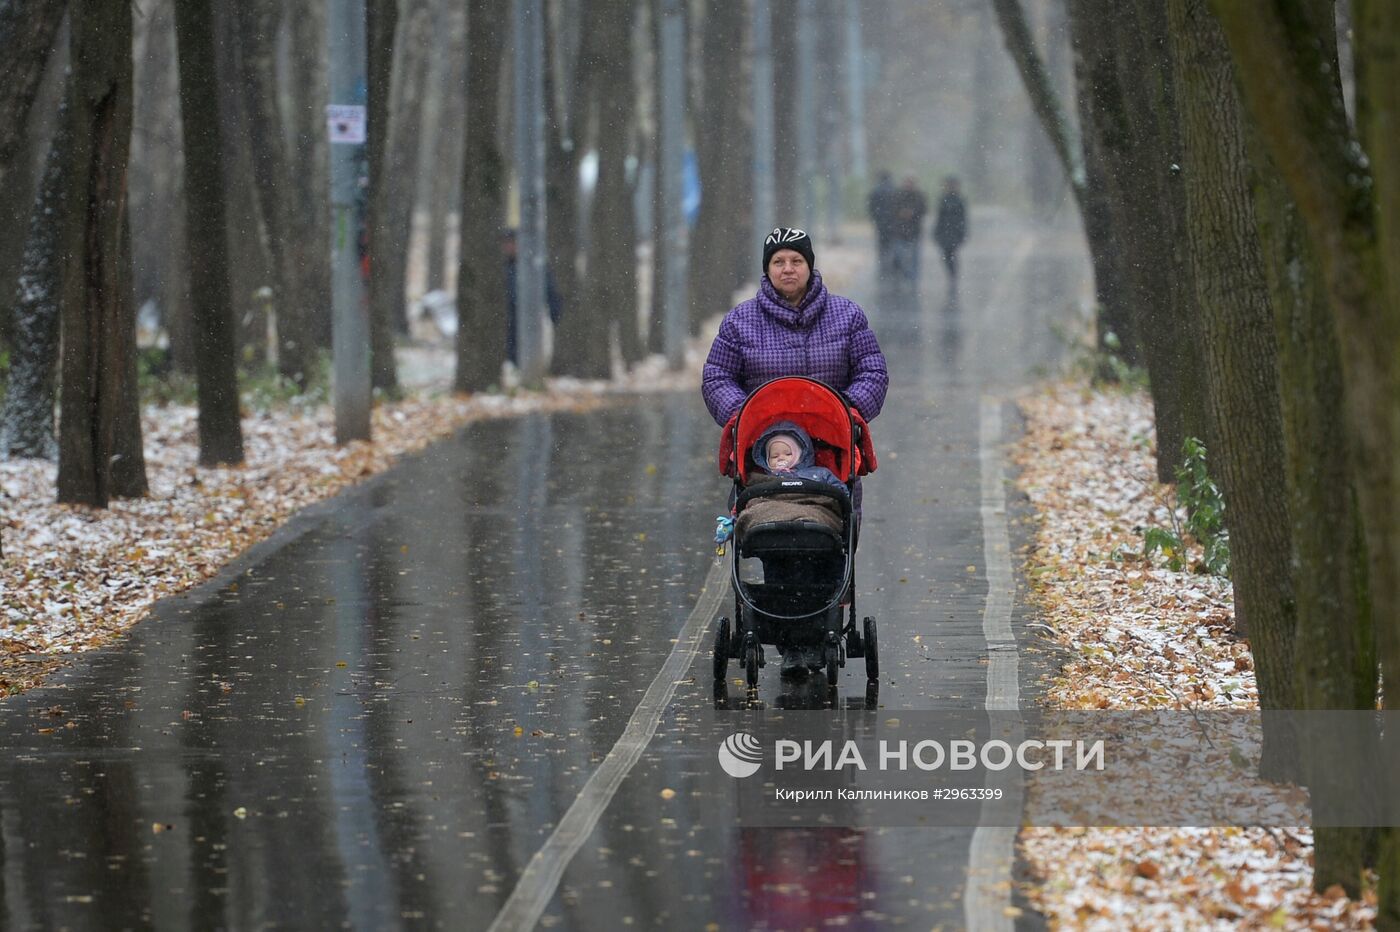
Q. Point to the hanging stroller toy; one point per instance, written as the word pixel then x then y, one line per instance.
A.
pixel 795 530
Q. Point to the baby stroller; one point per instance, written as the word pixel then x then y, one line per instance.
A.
pixel 794 539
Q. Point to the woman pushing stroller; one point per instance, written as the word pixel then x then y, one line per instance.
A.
pixel 794 326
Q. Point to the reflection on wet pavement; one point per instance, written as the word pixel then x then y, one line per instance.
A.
pixel 383 717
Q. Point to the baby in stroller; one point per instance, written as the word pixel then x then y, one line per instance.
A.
pixel 785 449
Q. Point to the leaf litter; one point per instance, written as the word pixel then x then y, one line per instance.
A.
pixel 1140 636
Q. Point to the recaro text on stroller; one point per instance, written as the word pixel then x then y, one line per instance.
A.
pixel 808 565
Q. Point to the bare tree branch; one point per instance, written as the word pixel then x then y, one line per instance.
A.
pixel 1019 43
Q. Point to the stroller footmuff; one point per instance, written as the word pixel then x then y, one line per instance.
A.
pixel 794 536
pixel 800 563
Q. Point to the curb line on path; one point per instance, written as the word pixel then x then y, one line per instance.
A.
pixel 987 897
pixel 539 880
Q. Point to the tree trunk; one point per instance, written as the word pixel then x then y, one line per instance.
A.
pixel 445 156
pixel 1377 55
pixel 16 204
pixel 1109 264
pixel 381 29
pixel 389 278
pixel 1116 64
pixel 160 222
pixel 584 347
pixel 1334 648
pixel 158 207
pixel 1335 657
pixel 1170 324
pixel 309 213
pixel 27 32
pixel 1347 204
pixel 612 206
pixel 26 421
pixel 407 138
pixel 570 74
pixel 250 267
pixel 382 18
pixel 582 344
pixel 257 31
pixel 24 176
pixel 720 149
pixel 128 460
pixel 99 443
pixel 154 173
pixel 1378 121
pixel 481 293
pixel 1242 359
pixel 177 313
pixel 220 434
pixel 656 312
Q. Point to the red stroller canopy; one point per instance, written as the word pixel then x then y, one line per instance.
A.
pixel 811 405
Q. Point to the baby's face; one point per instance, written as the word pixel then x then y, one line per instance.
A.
pixel 782 453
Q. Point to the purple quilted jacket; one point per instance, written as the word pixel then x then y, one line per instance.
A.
pixel 826 337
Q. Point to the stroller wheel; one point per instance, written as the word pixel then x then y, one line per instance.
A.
pixel 751 664
pixel 833 664
pixel 872 650
pixel 722 649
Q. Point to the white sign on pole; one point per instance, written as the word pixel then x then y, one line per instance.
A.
pixel 346 123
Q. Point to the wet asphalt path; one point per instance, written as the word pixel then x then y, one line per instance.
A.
pixel 379 717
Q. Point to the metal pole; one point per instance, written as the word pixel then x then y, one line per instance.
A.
pixel 762 27
pixel 346 125
pixel 807 164
pixel 676 257
pixel 529 179
pixel 855 91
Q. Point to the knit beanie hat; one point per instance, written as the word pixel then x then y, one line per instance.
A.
pixel 788 238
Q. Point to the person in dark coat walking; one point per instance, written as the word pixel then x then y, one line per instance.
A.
pixel 910 206
pixel 551 294
pixel 950 228
pixel 881 207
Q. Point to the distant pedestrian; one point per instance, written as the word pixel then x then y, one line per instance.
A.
pixel 950 228
pixel 910 206
pixel 881 206
pixel 556 306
